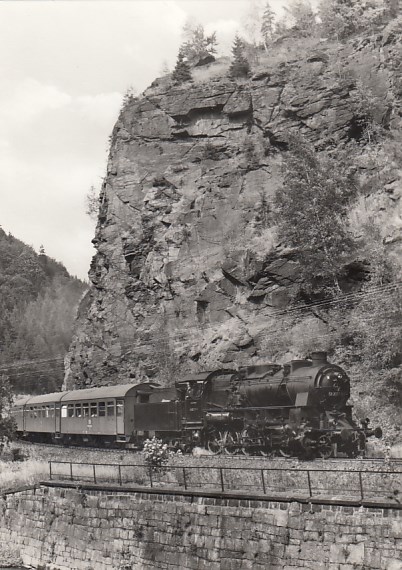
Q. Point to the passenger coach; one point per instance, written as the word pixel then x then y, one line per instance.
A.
pixel 96 415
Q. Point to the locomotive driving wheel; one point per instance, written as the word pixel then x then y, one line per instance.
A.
pixel 324 447
pixel 235 442
pixel 284 451
pixel 218 442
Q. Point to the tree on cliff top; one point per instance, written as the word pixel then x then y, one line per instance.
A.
pixel 301 16
pixel 198 45
pixel 181 72
pixel 239 66
pixel 252 23
pixel 267 25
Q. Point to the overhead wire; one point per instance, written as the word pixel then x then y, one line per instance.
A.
pixel 381 292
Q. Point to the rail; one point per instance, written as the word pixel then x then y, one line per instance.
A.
pixel 379 486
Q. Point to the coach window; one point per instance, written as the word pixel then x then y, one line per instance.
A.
pixel 47 413
pixel 94 409
pixel 64 411
pixel 52 411
pixel 119 407
pixel 44 412
pixel 70 410
pixel 110 408
pixel 35 412
pixel 85 410
pixel 102 409
pixel 78 410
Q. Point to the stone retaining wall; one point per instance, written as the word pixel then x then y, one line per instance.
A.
pixel 69 529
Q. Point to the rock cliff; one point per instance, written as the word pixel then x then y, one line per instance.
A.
pixel 188 273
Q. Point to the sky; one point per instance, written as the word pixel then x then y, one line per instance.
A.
pixel 65 66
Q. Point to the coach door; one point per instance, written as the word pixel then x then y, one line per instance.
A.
pixel 120 416
pixel 57 416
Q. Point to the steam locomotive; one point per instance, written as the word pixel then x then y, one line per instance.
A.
pixel 297 409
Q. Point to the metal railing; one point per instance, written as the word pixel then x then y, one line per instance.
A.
pixel 378 486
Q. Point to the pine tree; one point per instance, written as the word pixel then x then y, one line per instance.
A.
pixel 181 72
pixel 267 25
pixel 239 66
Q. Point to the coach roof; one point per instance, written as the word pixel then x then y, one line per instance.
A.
pixel 117 391
pixel 39 400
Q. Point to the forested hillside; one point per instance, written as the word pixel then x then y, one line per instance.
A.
pixel 38 300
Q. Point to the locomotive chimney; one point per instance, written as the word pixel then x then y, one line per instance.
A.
pixel 319 358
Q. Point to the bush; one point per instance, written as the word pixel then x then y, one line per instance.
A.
pixel 310 211
pixel 157 455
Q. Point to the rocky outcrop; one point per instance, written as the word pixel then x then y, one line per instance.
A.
pixel 188 273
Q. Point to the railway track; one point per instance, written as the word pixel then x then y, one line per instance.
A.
pixel 291 461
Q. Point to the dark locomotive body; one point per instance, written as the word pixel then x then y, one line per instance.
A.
pixel 299 409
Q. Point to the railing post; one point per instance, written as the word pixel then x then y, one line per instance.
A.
pixel 361 485
pixel 120 482
pixel 263 482
pixel 50 470
pixel 184 478
pixel 150 477
pixel 221 474
pixel 94 468
pixel 71 471
pixel 309 483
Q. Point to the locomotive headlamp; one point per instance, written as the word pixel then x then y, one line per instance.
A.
pixel 337 376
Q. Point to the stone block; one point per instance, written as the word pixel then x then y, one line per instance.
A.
pixel 314 551
pixel 281 518
pixel 396 528
pixel 347 553
pixel 391 564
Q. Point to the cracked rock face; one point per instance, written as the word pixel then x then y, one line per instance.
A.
pixel 187 274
